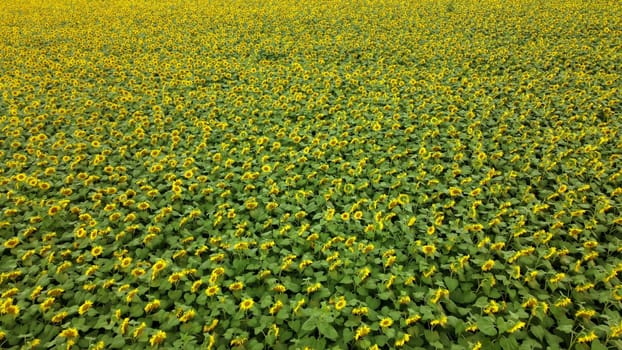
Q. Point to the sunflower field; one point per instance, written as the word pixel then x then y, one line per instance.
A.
pixel 277 174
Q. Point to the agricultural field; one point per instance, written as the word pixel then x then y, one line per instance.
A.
pixel 184 174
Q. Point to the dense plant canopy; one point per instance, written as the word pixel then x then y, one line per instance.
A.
pixel 310 174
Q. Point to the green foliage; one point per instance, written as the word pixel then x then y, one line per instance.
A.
pixel 319 174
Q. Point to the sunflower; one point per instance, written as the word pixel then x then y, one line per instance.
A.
pixel 412 320
pixel 251 204
pixel 137 272
pixel 53 210
pixel 402 341
pixel 69 333
pixel 314 288
pixel 585 313
pixel 97 251
pixel 159 265
pixel 455 191
pixel 143 206
pixel 196 285
pixel 236 286
pixel 361 332
pixel 587 338
pixel 59 317
pixel 519 325
pixel 47 304
pixel 11 243
pixel 187 316
pixel 279 288
pixel 158 338
pixel 212 290
pixel 139 330
pixel 175 277
pixel 404 300
pixel 10 309
pixel 246 304
pixel 278 305
pixel 428 249
pixel 125 262
pixel 85 307
pixel 272 205
pixel 488 265
pixel 341 303
pixel 211 326
pixel 386 322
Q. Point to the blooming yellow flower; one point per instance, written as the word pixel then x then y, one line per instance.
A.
pixel 53 210
pixel 361 332
pixel 159 266
pixel 125 262
pixel 69 333
pixel 314 288
pixel 428 249
pixel 386 322
pixel 585 313
pixel 139 330
pixel 97 251
pixel 187 316
pixel 85 307
pixel 47 304
pixel 519 325
pixel 246 304
pixel 360 311
pixel 157 338
pixel 238 341
pixel 455 191
pixel 211 326
pixel 152 306
pixel 442 321
pixel 279 288
pixel 341 303
pixel 212 290
pixel 412 319
pixel 11 243
pixel 588 338
pixel 402 341
pixel 236 286
pixel 488 265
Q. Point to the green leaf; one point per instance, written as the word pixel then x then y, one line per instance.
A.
pixel 431 336
pixel 189 298
pixel 170 324
pixel 310 324
pixel 174 294
pixel 487 326
pixel 384 295
pixel 327 330
pixel 538 331
pixel 136 311
pixel 254 345
pixel 553 340
pixel 509 343
pixel 481 302
pixel 597 345
pixel 451 283
pixel 117 342
pixel 566 328
pixel 463 297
